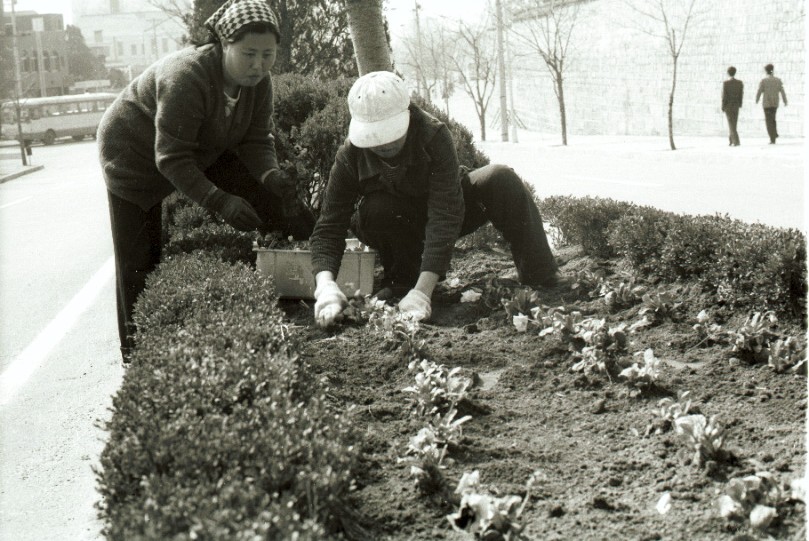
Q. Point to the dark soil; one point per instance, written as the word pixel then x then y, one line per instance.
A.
pixel 604 466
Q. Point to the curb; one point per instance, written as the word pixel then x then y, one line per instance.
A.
pixel 30 169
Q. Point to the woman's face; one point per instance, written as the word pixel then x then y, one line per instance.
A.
pixel 248 61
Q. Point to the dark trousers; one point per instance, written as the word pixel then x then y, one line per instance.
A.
pixel 136 235
pixel 733 118
pixel 769 119
pixel 395 226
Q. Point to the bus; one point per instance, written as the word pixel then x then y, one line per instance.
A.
pixel 47 119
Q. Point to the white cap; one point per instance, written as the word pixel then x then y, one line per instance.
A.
pixel 378 102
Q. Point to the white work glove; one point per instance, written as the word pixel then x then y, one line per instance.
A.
pixel 416 305
pixel 329 302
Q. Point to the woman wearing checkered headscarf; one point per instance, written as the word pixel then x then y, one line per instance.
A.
pixel 198 121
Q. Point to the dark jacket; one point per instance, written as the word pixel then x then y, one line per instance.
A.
pixel 732 94
pixel 169 125
pixel 430 178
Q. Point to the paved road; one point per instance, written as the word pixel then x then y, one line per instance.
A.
pixel 58 360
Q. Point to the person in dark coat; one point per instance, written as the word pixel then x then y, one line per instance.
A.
pixel 198 121
pixel 771 87
pixel 397 184
pixel 732 94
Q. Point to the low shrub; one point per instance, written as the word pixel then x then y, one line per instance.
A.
pixel 584 221
pixel 219 430
pixel 747 266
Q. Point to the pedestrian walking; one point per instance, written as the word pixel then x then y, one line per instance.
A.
pixel 771 87
pixel 732 94
pixel 397 184
pixel 198 121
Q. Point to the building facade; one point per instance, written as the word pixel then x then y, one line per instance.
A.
pixel 41 45
pixel 129 34
pixel 619 78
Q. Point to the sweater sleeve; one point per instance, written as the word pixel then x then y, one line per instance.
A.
pixel 328 238
pixel 181 95
pixel 257 147
pixel 445 205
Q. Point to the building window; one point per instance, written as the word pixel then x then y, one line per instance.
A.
pixel 115 6
pixel 55 61
pixel 99 36
pixel 133 49
pixel 46 60
pixel 26 65
pixel 119 48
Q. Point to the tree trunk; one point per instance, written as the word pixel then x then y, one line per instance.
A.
pixel 671 105
pixel 367 26
pixel 560 94
pixel 482 119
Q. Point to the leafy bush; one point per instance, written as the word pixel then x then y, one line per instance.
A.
pixel 747 266
pixel 639 237
pixel 584 221
pixel 219 430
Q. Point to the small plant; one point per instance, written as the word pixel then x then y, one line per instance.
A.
pixel 786 353
pixel 623 295
pixel 521 303
pixel 436 389
pixel 708 332
pixel 753 338
pixel 397 330
pixel 754 498
pixel 659 305
pixel 486 516
pixel 588 281
pixel 599 346
pixel 643 376
pixel 669 410
pixel 705 436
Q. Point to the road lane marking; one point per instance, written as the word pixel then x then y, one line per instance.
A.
pixel 27 362
pixel 615 181
pixel 23 200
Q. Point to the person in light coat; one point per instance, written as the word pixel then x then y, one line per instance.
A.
pixel 771 88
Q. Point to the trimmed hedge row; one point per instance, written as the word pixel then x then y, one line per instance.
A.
pixel 219 430
pixel 747 266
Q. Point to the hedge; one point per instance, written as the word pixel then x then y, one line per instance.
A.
pixel 219 430
pixel 747 266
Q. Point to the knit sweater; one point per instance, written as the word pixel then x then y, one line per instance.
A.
pixel 428 175
pixel 169 125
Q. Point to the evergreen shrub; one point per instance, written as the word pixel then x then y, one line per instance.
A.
pixel 219 430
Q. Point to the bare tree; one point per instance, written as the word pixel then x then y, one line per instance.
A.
pixel 668 20
pixel 477 68
pixel 432 58
pixel 367 26
pixel 546 27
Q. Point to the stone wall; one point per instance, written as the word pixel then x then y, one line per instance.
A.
pixel 619 78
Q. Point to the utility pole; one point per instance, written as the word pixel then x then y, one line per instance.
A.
pixel 38 24
pixel 510 69
pixel 501 64
pixel 419 67
pixel 18 81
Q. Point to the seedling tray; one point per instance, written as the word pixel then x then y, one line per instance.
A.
pixel 291 270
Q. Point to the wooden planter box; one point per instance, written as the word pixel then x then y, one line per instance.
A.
pixel 292 271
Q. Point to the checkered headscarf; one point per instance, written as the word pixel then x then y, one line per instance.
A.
pixel 234 14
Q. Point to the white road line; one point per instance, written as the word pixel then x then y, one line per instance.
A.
pixel 615 181
pixel 27 362
pixel 24 199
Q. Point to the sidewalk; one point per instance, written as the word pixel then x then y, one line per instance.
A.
pixel 11 166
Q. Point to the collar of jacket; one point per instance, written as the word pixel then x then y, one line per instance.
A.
pixel 423 128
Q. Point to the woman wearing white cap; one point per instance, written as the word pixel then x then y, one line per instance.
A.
pixel 198 121
pixel 414 201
